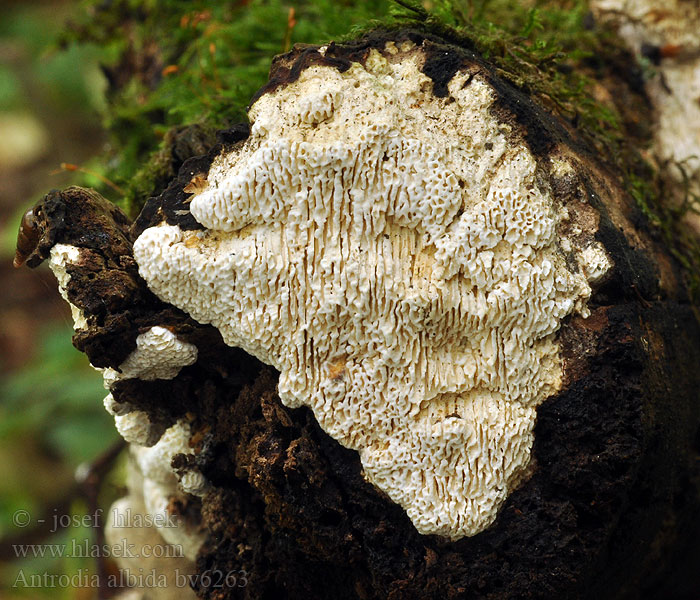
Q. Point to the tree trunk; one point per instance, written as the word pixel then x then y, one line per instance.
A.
pixel 575 435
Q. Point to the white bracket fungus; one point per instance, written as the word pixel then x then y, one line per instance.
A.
pixel 397 258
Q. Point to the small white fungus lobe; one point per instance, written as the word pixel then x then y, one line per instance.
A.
pixel 396 259
pixel 159 354
pixel 134 427
pixel 160 484
pixel 60 257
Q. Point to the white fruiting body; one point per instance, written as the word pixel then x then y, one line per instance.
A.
pixel 395 256
pixel 160 484
pixel 159 354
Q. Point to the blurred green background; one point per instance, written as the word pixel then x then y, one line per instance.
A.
pixel 51 415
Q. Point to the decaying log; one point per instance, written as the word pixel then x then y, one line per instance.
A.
pixel 486 359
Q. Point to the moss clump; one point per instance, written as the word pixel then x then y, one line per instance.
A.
pixel 171 64
pixel 200 62
pixel 551 50
pixel 179 144
pixel 653 196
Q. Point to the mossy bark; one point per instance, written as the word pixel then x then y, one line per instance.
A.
pixel 609 509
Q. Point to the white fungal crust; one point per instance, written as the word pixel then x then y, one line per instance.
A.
pixel 160 484
pixel 154 463
pixel 153 566
pixel 135 427
pixel 397 259
pixel 60 257
pixel 159 354
pixel 675 22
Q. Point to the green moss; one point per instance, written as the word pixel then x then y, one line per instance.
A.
pixel 543 48
pixel 173 63
pixel 667 221
pixel 200 62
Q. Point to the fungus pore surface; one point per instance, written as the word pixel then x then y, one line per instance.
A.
pixel 397 256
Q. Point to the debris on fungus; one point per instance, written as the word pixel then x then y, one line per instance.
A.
pixel 396 250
